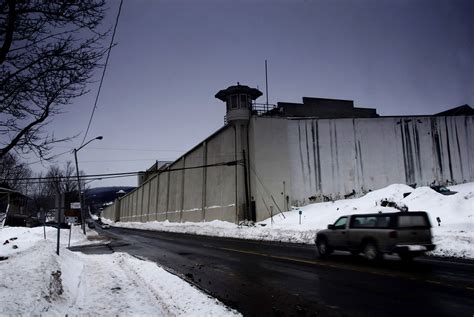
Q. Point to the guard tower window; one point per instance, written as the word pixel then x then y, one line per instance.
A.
pixel 243 101
pixel 234 101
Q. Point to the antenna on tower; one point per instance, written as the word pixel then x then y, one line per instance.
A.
pixel 266 82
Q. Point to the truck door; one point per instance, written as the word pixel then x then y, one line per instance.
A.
pixel 338 238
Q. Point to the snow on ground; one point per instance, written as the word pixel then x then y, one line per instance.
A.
pixel 455 236
pixel 35 281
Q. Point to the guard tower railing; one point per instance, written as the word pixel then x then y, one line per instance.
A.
pixel 261 109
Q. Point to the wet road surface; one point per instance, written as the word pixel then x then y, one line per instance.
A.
pixel 280 279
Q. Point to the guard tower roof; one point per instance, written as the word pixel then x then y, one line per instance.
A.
pixel 238 89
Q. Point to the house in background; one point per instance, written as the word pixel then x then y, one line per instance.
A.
pixel 13 207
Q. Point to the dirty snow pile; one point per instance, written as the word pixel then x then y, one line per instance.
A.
pixel 455 236
pixel 35 281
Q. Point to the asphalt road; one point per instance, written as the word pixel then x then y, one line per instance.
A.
pixel 279 279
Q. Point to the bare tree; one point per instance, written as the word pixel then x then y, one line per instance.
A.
pixel 54 177
pixel 13 173
pixel 70 180
pixel 62 180
pixel 57 179
pixel 39 193
pixel 48 52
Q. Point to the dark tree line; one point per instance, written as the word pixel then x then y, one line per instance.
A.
pixel 57 179
pixel 41 190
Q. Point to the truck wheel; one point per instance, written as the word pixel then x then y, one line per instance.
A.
pixel 323 248
pixel 371 252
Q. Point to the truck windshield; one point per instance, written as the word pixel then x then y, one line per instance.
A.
pixel 340 223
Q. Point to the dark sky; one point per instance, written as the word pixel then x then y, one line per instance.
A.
pixel 400 56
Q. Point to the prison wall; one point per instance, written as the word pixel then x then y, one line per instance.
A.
pixel 336 158
pixel 293 162
pixel 268 166
pixel 191 188
pixel 222 195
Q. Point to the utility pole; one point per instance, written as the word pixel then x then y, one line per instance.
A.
pixel 83 220
pixel 266 85
pixel 58 214
pixel 247 203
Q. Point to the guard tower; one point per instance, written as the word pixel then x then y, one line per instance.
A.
pixel 238 101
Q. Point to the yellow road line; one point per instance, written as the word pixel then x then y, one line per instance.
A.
pixel 347 267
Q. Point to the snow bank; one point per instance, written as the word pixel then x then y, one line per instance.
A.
pixel 454 237
pixel 35 281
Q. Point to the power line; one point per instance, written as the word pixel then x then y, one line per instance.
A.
pixel 107 161
pixel 48 181
pixel 68 177
pixel 87 177
pixel 51 158
pixel 230 163
pixel 124 149
pixel 171 159
pixel 167 159
pixel 103 73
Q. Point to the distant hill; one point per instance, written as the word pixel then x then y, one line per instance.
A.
pixel 96 197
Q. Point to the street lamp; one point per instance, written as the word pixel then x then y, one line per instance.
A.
pixel 83 220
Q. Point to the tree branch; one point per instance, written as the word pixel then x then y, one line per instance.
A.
pixel 44 65
pixel 9 31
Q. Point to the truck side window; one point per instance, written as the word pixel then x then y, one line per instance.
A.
pixel 383 222
pixel 412 221
pixel 340 223
pixel 371 222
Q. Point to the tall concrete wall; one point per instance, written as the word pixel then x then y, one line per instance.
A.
pixel 269 168
pixel 152 206
pixel 222 195
pixel 146 202
pixel 163 194
pixel 294 162
pixel 330 158
pixel 194 186
pixel 183 192
pixel 175 196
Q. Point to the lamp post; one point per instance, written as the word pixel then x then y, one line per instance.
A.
pixel 83 220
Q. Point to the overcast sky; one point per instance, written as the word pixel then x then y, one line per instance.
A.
pixel 400 56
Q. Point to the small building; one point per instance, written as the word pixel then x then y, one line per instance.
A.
pixel 267 158
pixel 323 108
pixel 13 207
pixel 12 200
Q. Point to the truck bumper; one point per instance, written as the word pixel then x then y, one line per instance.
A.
pixel 413 248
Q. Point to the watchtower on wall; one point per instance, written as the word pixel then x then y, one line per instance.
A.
pixel 238 101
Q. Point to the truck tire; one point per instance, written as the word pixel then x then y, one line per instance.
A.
pixel 324 249
pixel 371 252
